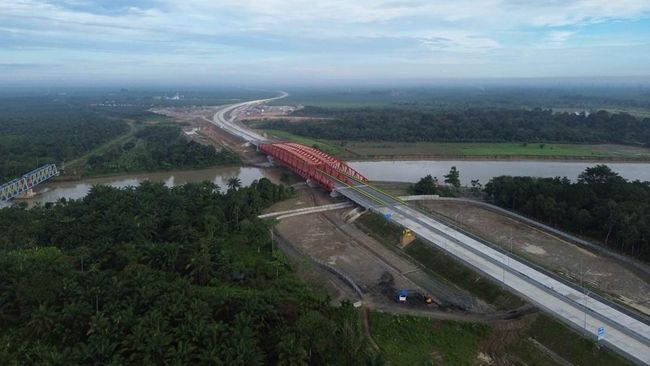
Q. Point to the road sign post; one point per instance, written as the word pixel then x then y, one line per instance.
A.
pixel 601 333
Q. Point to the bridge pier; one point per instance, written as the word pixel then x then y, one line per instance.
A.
pixel 27 195
pixel 354 214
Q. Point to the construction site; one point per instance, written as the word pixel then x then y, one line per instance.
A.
pixel 353 253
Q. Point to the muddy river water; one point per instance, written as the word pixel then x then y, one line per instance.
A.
pixel 53 191
pixel 400 171
pixel 411 171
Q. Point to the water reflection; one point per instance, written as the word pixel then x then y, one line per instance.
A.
pixel 399 171
pixel 411 171
pixel 52 192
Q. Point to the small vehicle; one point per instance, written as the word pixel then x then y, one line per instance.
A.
pixel 402 295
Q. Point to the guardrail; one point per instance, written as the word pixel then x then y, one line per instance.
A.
pixel 640 317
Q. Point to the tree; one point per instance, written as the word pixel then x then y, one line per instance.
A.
pixel 426 185
pixel 476 186
pixel 601 204
pixel 291 352
pixel 453 178
pixel 234 183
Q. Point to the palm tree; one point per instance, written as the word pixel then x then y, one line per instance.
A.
pixel 200 265
pixel 42 321
pixel 234 183
pixel 291 352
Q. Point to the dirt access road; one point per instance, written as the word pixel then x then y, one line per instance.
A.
pixel 200 118
pixel 375 269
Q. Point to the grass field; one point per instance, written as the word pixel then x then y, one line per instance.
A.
pixel 409 340
pixel 424 150
pixel 564 342
pixel 417 149
pixel 321 145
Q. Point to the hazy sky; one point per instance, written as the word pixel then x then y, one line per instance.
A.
pixel 215 41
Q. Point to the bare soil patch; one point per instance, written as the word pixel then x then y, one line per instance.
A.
pixel 565 258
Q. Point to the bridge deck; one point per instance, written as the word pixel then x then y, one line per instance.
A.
pixel 28 181
pixel 583 312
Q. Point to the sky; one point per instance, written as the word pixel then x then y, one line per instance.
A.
pixel 206 42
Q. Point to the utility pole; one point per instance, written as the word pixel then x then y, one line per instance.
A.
pixel 503 266
pixel 584 297
pixel 271 230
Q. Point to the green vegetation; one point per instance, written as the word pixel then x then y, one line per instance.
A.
pixel 453 177
pixel 157 275
pixel 429 185
pixel 419 150
pixel 462 276
pixel 565 342
pixel 601 204
pixel 35 131
pixel 409 340
pixel 157 147
pixel 406 340
pixel 440 264
pixel 325 147
pixel 572 98
pixel 468 125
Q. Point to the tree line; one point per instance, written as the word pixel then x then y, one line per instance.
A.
pixel 156 275
pixel 600 204
pixel 36 131
pixel 158 147
pixel 468 125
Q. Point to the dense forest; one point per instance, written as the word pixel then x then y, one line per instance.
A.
pixel 35 131
pixel 529 94
pixel 156 275
pixel 601 204
pixel 468 125
pixel 158 147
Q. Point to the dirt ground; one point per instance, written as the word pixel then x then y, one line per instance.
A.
pixel 199 118
pixel 377 270
pixel 567 259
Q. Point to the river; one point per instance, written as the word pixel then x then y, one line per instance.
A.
pixel 53 191
pixel 399 171
pixel 484 170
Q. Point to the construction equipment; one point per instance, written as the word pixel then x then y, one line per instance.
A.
pixel 406 238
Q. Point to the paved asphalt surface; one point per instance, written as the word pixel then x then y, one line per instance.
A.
pixel 225 117
pixel 583 312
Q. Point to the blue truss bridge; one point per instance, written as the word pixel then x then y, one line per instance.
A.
pixel 28 181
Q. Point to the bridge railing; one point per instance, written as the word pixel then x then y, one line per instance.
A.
pixel 311 164
pixel 29 180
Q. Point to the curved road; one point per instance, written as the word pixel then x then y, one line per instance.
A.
pixel 581 311
pixel 225 119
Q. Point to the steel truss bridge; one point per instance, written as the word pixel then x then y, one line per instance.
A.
pixel 28 181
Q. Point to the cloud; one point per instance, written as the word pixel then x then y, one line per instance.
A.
pixel 559 37
pixel 338 37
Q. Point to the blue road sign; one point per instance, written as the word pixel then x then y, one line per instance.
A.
pixel 601 333
pixel 387 216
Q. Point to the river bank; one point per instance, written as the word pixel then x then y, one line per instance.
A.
pixel 548 158
pixel 388 171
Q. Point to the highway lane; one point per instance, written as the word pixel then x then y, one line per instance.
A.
pixel 225 119
pixel 583 312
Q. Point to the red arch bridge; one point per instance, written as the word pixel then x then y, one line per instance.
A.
pixel 313 165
